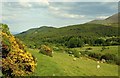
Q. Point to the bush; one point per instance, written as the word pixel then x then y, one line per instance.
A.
pixel 69 51
pixel 56 49
pixel 111 58
pixel 95 55
pixel 46 50
pixel 117 60
pixel 108 56
pixel 88 48
pixel 18 64
pixel 75 42
pixel 16 60
pixel 76 53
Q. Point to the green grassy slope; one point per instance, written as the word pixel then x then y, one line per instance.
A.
pixel 61 64
pixel 97 49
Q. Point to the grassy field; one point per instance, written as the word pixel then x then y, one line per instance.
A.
pixel 97 49
pixel 61 64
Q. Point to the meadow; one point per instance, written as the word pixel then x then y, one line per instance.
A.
pixel 61 64
pixel 98 49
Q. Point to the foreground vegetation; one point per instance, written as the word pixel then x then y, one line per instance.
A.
pixel 16 61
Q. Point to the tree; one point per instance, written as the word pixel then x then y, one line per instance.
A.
pixel 99 42
pixel 75 42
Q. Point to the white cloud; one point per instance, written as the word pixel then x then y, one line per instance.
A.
pixel 72 15
pixel 53 8
pixel 25 4
pixel 58 12
pixel 102 17
pixel 61 0
pixel 28 3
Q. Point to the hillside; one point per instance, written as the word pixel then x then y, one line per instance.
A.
pixel 111 21
pixel 61 35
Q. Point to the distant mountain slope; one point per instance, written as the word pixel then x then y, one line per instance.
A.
pixel 50 34
pixel 87 31
pixel 111 21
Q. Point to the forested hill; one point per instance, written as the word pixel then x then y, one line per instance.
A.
pixel 88 32
pixel 60 35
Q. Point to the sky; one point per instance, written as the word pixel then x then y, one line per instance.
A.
pixel 23 15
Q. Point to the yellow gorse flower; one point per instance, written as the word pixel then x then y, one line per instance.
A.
pixel 17 60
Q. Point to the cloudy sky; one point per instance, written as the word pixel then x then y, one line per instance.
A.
pixel 21 16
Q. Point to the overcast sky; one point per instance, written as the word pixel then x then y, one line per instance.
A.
pixel 21 16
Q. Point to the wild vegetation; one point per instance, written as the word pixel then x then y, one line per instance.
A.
pixel 85 33
pixel 16 61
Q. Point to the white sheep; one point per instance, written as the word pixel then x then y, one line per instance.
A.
pixel 98 61
pixel 52 52
pixel 53 74
pixel 103 60
pixel 72 55
pixel 79 53
pixel 74 59
pixel 98 66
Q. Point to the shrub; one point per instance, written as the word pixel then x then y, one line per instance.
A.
pixel 75 42
pixel 69 51
pixel 18 64
pixel 88 48
pixel 16 60
pixel 95 55
pixel 46 50
pixel 56 49
pixel 117 60
pixel 108 56
pixel 111 58
pixel 76 53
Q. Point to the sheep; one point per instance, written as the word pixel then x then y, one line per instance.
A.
pixel 79 53
pixel 72 55
pixel 103 61
pixel 53 74
pixel 98 66
pixel 74 59
pixel 52 52
pixel 98 61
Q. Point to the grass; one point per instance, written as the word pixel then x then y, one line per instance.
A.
pixel 97 49
pixel 45 66
pixel 61 64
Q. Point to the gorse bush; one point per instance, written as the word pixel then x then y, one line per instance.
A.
pixel 16 60
pixel 46 50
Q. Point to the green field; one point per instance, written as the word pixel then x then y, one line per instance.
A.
pixel 97 49
pixel 61 64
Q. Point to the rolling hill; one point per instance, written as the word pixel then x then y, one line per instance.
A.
pixel 63 34
pixel 111 21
